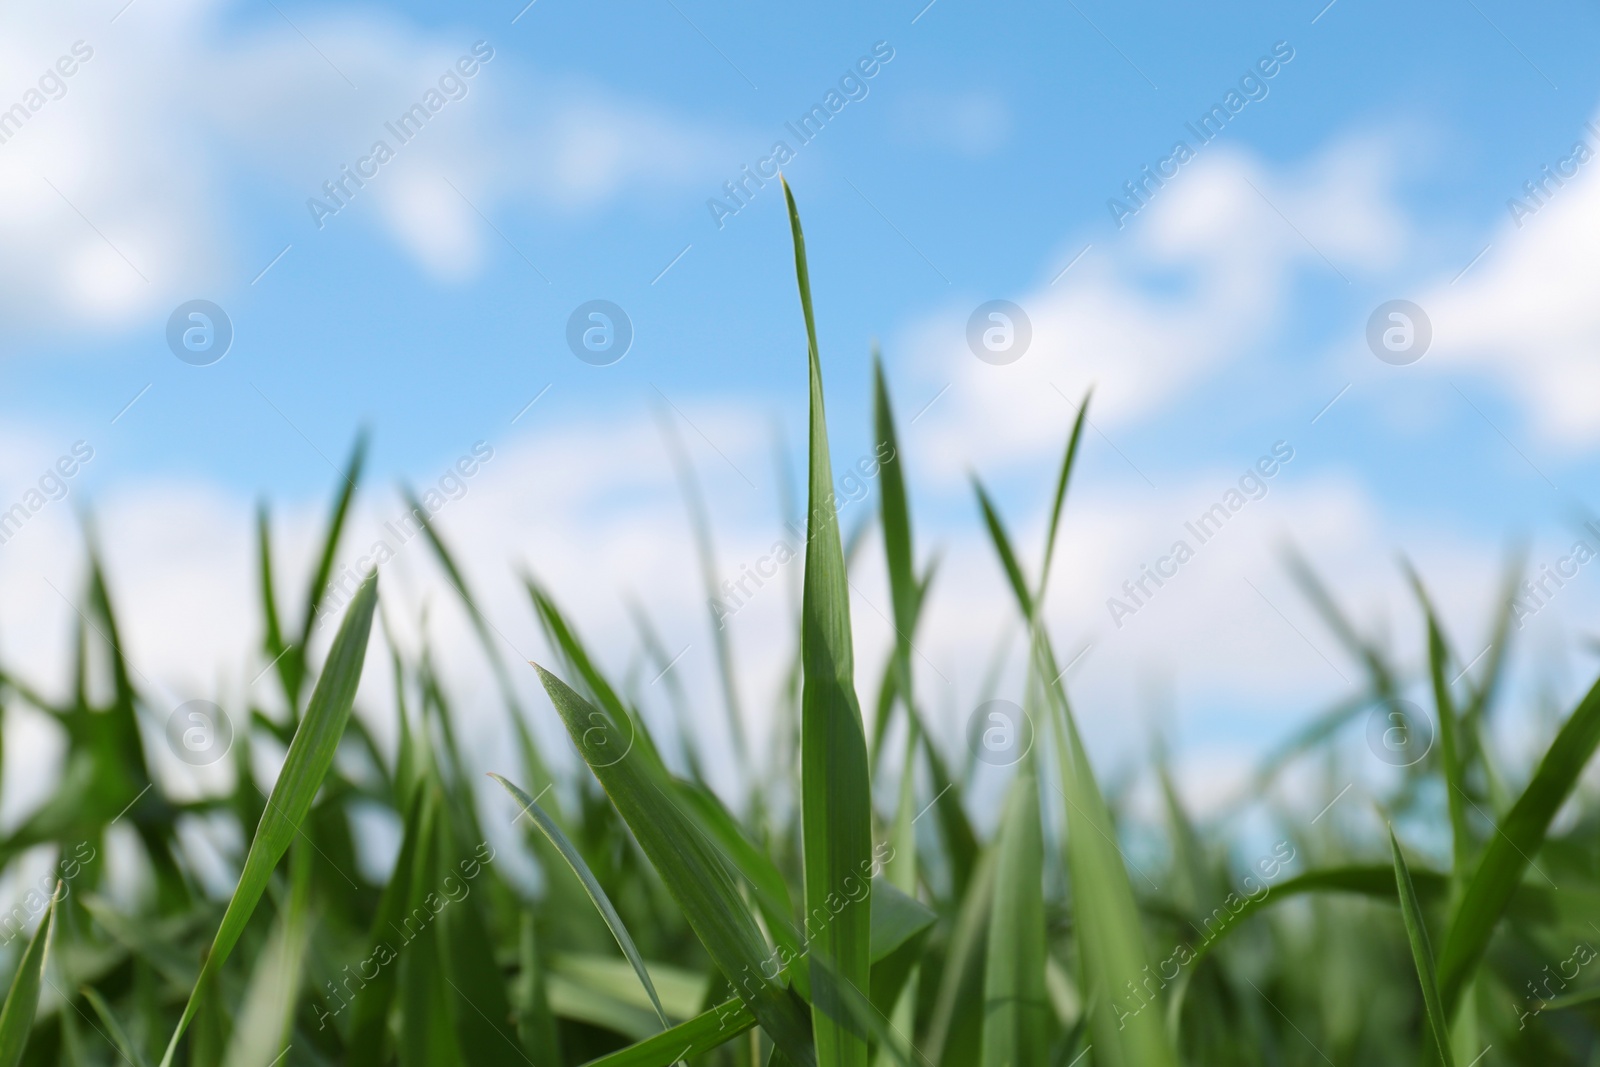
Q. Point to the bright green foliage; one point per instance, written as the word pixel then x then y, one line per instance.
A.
pixel 852 903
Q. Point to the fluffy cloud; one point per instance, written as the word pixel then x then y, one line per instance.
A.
pixel 1526 315
pixel 1200 277
pixel 118 184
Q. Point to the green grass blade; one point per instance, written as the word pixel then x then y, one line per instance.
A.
pixel 893 505
pixel 1380 674
pixel 700 526
pixel 115 1031
pixel 1507 856
pixel 690 866
pixel 265 1017
pixel 272 643
pixel 1450 740
pixel 1067 463
pixel 1368 880
pixel 836 795
pixel 1110 935
pixel 532 760
pixel 1109 932
pixel 1016 1009
pixel 591 886
pixel 479 1003
pixel 1421 953
pixel 22 999
pixel 1002 547
pixel 369 1012
pixel 954 1036
pixel 704 1032
pixel 309 757
pixel 330 542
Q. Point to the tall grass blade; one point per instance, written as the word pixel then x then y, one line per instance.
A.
pixel 1016 1008
pixel 22 999
pixel 1509 853
pixel 690 866
pixel 700 525
pixel 266 1015
pixel 1450 739
pixel 591 886
pixel 1421 953
pixel 836 795
pixel 309 757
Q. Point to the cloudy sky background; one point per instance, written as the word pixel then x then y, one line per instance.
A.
pixel 1221 319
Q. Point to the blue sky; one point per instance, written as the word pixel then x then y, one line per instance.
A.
pixel 178 162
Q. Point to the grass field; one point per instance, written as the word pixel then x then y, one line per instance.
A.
pixel 843 930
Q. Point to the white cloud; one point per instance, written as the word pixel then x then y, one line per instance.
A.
pixel 1526 315
pixel 1194 281
pixel 116 198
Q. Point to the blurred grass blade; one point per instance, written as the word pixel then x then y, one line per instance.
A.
pixel 1379 672
pixel 265 1017
pixel 532 761
pixel 700 526
pixel 694 872
pixel 115 1031
pixel 330 546
pixel 1067 463
pixel 272 642
pixel 1016 1009
pixel 1421 953
pixel 1508 855
pixel 369 1012
pixel 1450 741
pixel 836 796
pixel 22 1000
pixel 309 757
pixel 704 1032
pixel 1002 547
pixel 1110 935
pixel 1106 916
pixel 1368 880
pixel 896 512
pixel 954 1036
pixel 479 1003
pixel 591 885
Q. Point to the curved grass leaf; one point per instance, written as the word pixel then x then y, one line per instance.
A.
pixel 703 1033
pixel 1109 931
pixel 836 794
pixel 309 757
pixel 1368 880
pixel 1507 856
pixel 591 886
pixel 1421 953
pixel 689 865
pixel 22 999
